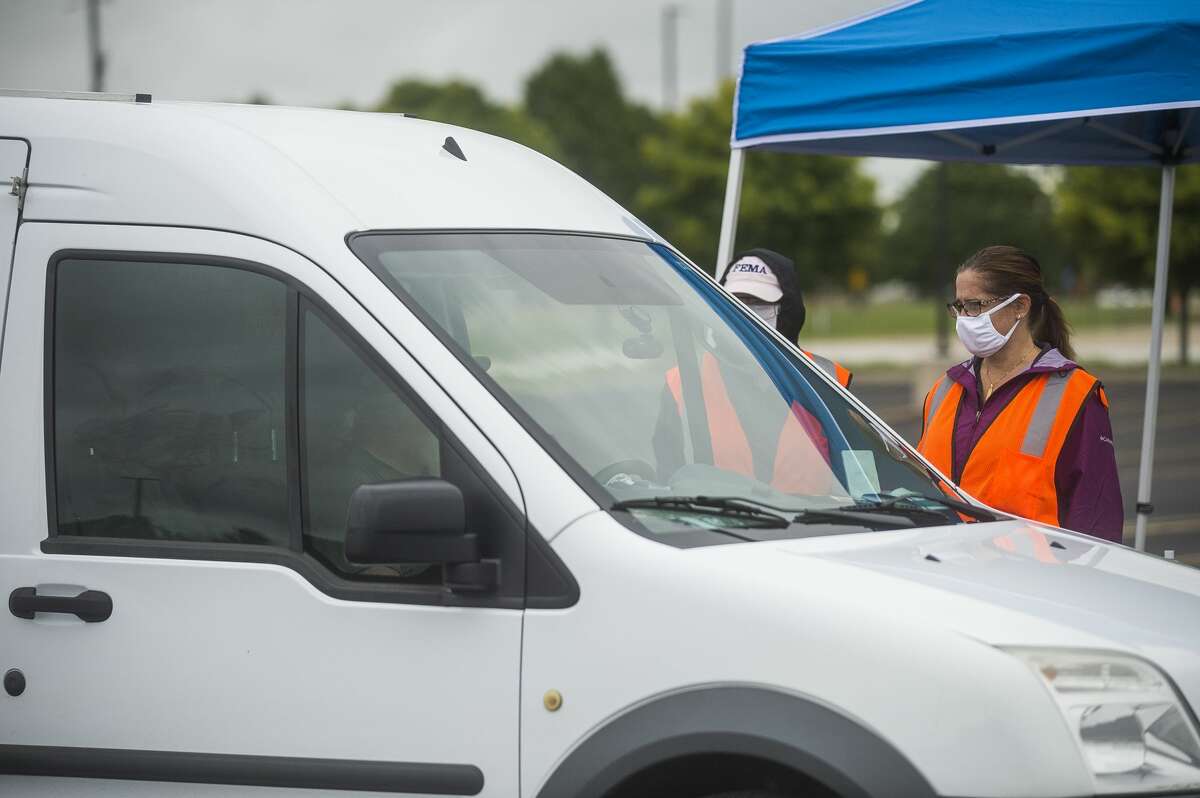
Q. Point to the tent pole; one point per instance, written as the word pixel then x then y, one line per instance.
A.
pixel 729 216
pixel 1154 372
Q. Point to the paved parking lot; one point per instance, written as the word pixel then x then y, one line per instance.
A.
pixel 1176 495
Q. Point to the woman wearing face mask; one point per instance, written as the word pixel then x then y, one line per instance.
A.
pixel 1020 426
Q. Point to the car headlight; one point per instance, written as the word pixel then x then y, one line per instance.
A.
pixel 1134 729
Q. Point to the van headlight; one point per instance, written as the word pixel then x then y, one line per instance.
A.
pixel 1134 729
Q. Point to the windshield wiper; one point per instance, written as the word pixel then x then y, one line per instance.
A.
pixel 911 503
pixel 710 505
pixel 752 509
pixel 831 515
pixel 854 515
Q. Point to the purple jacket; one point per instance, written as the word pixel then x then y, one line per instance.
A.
pixel 1086 480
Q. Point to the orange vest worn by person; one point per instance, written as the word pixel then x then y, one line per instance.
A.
pixel 1012 466
pixel 836 371
pixel 801 463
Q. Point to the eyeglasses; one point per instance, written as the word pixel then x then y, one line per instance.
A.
pixel 971 307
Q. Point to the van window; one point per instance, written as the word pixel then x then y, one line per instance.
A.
pixel 169 402
pixel 356 430
pixel 175 390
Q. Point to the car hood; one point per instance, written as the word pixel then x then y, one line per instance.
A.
pixel 1017 583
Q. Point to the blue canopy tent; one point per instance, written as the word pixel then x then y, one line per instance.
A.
pixel 1107 82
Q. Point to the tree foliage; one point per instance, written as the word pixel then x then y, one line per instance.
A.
pixel 671 170
pixel 598 132
pixel 1109 219
pixel 820 211
pixel 984 204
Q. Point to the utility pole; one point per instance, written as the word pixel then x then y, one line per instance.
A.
pixel 670 64
pixel 1185 293
pixel 724 40
pixel 95 54
pixel 942 267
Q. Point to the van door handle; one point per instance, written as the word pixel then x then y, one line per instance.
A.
pixel 92 606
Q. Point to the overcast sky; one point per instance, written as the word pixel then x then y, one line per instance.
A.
pixel 324 52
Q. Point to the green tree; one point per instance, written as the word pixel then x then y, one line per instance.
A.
pixel 579 99
pixel 1109 218
pixel 820 211
pixel 983 204
pixel 456 102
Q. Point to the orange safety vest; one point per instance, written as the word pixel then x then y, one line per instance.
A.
pixel 801 455
pixel 1012 466
pixel 836 371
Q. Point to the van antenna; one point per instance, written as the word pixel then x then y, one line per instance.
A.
pixel 451 146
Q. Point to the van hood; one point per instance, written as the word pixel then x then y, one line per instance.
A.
pixel 1018 583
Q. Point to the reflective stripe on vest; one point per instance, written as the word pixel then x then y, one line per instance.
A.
pixel 934 400
pixel 801 455
pixel 1012 465
pixel 1037 434
pixel 836 371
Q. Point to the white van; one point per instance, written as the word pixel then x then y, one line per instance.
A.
pixel 354 452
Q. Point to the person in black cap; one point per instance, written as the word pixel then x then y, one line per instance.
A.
pixel 765 281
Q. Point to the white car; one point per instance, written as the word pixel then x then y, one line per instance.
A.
pixel 345 451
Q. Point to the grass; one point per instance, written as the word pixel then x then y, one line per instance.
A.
pixel 838 317
pixel 885 371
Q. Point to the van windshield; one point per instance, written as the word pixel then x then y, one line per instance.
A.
pixel 650 384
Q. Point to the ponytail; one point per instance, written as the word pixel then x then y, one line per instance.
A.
pixel 1051 326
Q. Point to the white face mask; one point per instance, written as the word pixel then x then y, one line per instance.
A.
pixel 980 336
pixel 768 313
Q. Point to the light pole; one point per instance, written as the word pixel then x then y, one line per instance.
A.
pixel 670 66
pixel 724 40
pixel 942 268
pixel 95 54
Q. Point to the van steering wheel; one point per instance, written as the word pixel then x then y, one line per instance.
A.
pixel 638 468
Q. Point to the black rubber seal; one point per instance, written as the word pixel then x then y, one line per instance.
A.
pixel 256 771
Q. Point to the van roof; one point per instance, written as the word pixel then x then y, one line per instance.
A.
pixel 289 173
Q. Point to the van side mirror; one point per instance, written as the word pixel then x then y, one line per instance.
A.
pixel 417 521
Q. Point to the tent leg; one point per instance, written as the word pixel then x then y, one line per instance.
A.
pixel 1149 420
pixel 729 216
